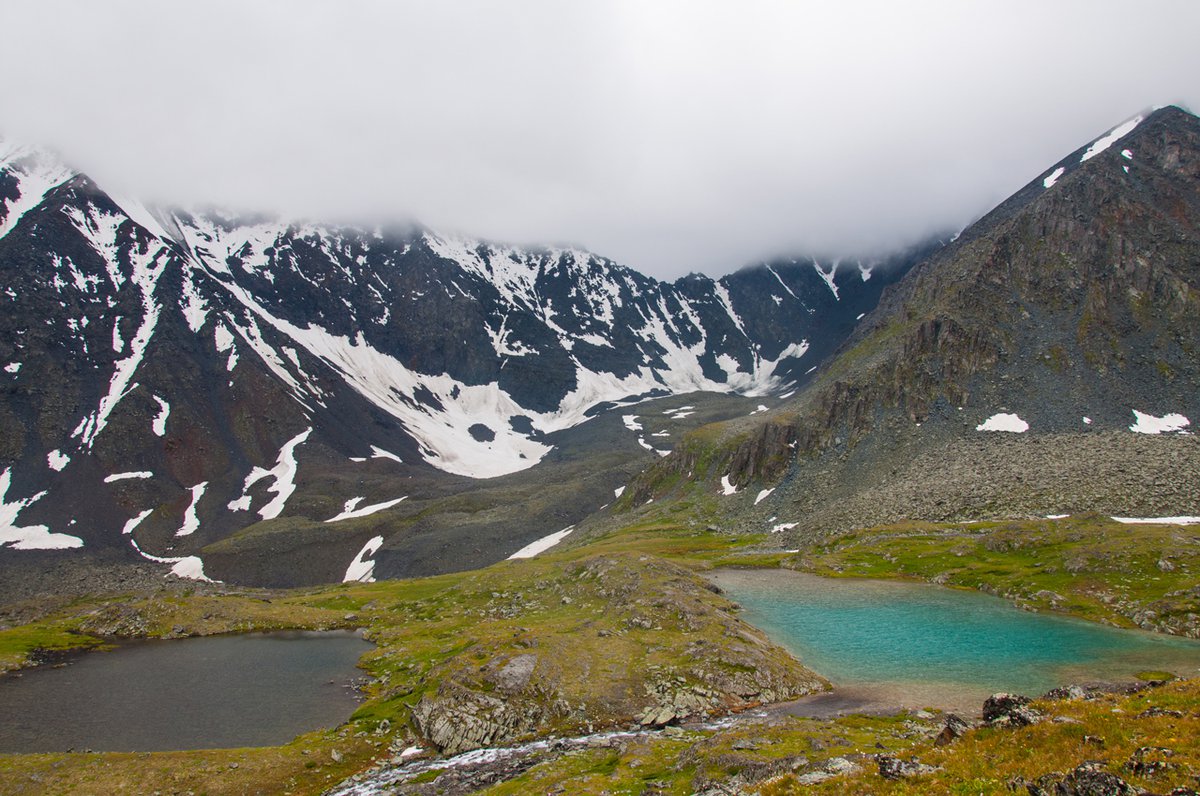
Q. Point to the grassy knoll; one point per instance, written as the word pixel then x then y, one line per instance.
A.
pixel 1089 565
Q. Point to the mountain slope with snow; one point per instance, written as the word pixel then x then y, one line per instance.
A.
pixel 237 363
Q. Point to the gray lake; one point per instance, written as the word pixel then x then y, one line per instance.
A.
pixel 258 689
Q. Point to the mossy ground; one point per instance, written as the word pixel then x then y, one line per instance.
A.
pixel 1108 729
pixel 606 621
pixel 771 755
pixel 456 627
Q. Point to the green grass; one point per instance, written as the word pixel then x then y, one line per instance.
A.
pixel 613 619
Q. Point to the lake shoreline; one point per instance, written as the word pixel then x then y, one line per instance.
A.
pixel 856 688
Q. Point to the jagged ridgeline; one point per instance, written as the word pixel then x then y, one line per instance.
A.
pixel 281 403
pixel 1045 362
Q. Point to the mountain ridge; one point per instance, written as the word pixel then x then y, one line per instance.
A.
pixel 181 376
pixel 1072 307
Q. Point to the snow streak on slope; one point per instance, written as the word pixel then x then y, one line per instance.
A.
pixel 284 475
pixel 28 537
pixel 541 545
pixel 189 567
pixel 1114 135
pixel 353 511
pixel 362 568
pixel 191 520
pixel 102 230
pixel 36 174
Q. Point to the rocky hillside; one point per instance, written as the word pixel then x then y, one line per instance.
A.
pixel 174 379
pixel 1049 333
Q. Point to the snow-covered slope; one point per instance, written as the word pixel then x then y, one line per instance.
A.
pixel 221 358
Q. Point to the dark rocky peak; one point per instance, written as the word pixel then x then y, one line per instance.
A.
pixel 1069 312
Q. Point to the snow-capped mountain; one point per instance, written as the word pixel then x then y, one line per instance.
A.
pixel 169 376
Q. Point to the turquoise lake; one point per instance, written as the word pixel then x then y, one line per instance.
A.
pixel 917 645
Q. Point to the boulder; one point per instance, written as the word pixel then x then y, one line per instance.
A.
pixel 953 728
pixel 1091 779
pixel 1009 710
pixel 894 768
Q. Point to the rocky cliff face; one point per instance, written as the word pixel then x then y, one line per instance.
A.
pixel 1071 309
pixel 172 379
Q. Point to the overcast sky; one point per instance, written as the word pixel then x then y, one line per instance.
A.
pixel 671 136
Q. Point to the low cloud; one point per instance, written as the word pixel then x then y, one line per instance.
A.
pixel 672 136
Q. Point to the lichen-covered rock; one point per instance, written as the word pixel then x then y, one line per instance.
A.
pixel 1091 779
pixel 459 719
pixel 1010 710
pixel 953 728
pixel 893 768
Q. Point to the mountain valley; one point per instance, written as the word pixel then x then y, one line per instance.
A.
pixel 516 467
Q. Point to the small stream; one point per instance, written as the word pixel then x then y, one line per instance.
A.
pixel 257 689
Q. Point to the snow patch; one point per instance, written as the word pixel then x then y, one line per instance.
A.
pixel 12 367
pixel 351 510
pixel 545 543
pixel 134 522
pixel 380 453
pixel 1053 178
pixel 1114 135
pixel 57 461
pixel 827 277
pixel 189 567
pixel 1087 421
pixel 191 521
pixel 362 568
pixel 726 487
pixel 631 422
pixel 1125 153
pixel 110 479
pixel 223 338
pixel 283 475
pixel 619 491
pixel 159 424
pixel 36 174
pixel 763 495
pixel 195 309
pixel 783 526
pixel 140 215
pixel 1004 422
pixel 28 537
pixel 1149 424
